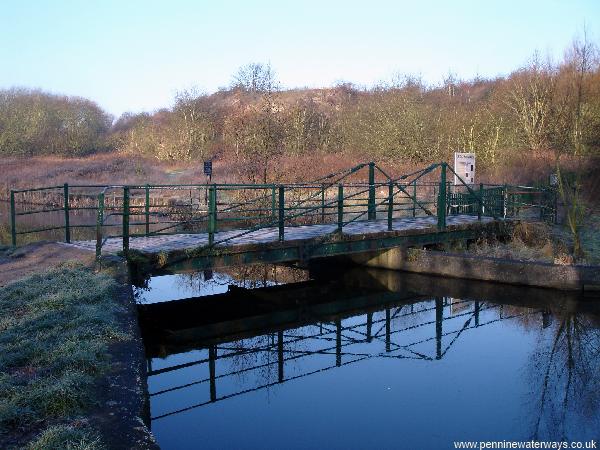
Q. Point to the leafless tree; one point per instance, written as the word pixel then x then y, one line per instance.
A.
pixel 255 77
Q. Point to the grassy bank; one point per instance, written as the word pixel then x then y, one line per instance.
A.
pixel 55 330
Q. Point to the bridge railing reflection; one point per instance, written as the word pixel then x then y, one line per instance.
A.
pixel 419 331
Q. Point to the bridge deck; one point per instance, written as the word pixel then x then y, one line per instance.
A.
pixel 175 242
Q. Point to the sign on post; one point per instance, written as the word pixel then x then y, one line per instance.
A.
pixel 208 173
pixel 208 168
pixel 464 166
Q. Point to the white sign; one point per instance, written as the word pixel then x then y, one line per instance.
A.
pixel 464 166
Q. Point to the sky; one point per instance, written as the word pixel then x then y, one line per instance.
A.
pixel 130 55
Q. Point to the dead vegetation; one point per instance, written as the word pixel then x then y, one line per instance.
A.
pixel 535 241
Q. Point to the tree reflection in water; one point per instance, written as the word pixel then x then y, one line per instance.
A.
pixel 249 277
pixel 565 377
pixel 208 282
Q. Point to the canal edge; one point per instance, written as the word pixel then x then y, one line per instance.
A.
pixel 124 419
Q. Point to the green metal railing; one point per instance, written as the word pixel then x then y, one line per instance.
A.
pixel 348 196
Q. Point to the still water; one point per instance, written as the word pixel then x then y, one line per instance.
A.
pixel 371 359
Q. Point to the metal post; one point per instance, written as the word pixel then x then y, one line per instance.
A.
pixel 147 210
pixel 212 213
pixel 340 205
pixel 126 220
pixel 390 205
pixel 338 342
pixel 388 330
pixel 477 308
pixel 439 318
pixel 372 212
pixel 503 209
pixel 322 203
pixel 281 212
pixel 215 201
pixel 480 202
pixel 280 356
pixel 212 356
pixel 99 223
pixel 414 198
pixel 273 204
pixel 67 226
pixel 441 206
pixel 13 219
pixel 369 327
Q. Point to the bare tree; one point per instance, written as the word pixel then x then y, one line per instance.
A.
pixel 255 77
pixel 194 124
pixel 573 123
pixel 531 102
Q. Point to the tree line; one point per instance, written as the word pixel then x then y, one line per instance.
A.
pixel 33 122
pixel 541 107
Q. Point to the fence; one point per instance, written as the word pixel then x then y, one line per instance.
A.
pixel 85 212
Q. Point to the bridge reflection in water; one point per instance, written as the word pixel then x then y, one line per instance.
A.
pixel 200 353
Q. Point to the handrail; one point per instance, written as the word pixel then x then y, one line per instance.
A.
pixel 421 173
pixel 340 202
pixel 471 191
pixel 267 205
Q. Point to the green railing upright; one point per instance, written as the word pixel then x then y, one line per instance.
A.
pixel 99 223
pixel 441 209
pixel 126 214
pixel 340 208
pixel 212 214
pixel 372 215
pixel 281 213
pixel 67 213
pixel 13 219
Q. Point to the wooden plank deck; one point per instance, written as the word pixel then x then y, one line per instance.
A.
pixel 178 242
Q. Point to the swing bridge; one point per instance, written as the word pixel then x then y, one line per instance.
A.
pixel 199 226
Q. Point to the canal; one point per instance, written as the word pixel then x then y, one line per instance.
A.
pixel 267 357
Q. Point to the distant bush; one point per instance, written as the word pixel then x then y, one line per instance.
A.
pixel 33 122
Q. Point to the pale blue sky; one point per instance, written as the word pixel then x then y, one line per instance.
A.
pixel 134 55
